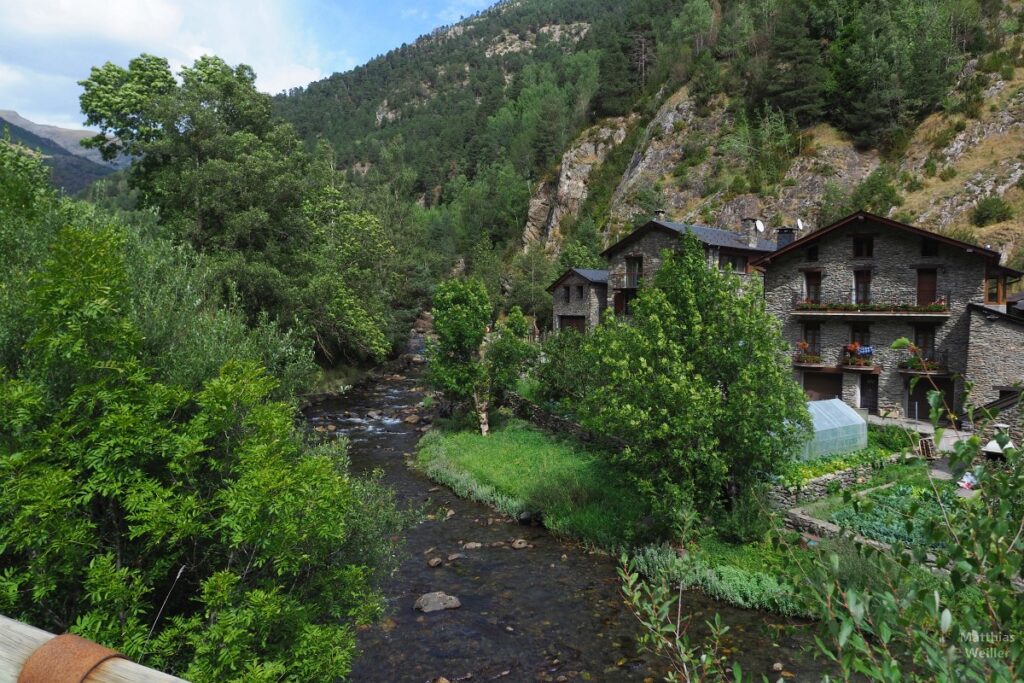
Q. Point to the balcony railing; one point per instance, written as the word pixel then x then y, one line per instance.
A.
pixel 850 302
pixel 925 363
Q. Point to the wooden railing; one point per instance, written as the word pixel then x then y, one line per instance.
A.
pixel 18 641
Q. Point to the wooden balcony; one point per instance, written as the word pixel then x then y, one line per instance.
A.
pixel 853 307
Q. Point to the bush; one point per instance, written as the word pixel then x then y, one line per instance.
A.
pixel 991 210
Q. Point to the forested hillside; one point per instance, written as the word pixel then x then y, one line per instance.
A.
pixel 560 124
pixel 68 172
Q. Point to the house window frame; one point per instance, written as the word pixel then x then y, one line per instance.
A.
pixel 863 246
pixel 634 270
pixel 864 284
pixel 812 253
pixel 579 292
pixel 808 275
pixel 812 335
pixel 860 333
pixel 996 283
pixel 929 247
pixel 924 339
pixel 738 262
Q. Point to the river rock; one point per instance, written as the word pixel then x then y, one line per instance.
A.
pixel 412 419
pixel 434 562
pixel 472 545
pixel 332 428
pixel 777 666
pixel 520 543
pixel 455 556
pixel 436 602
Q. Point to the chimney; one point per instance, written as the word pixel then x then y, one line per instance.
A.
pixel 659 214
pixel 750 231
pixel 784 236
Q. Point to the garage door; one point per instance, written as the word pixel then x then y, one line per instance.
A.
pixel 918 407
pixel 821 386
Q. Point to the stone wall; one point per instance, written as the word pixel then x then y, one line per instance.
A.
pixel 649 247
pixel 995 355
pixel 590 306
pixel 1013 418
pixel 787 497
pixel 560 426
pixel 897 256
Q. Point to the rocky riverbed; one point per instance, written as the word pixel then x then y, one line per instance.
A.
pixel 481 597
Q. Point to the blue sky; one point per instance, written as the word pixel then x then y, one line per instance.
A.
pixel 46 46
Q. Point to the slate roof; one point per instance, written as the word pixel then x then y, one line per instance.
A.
pixel 718 237
pixel 596 276
pixel 715 237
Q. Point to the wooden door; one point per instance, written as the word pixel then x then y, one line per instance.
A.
pixel 869 393
pixel 927 286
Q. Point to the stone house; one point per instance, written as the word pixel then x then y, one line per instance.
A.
pixel 845 292
pixel 636 258
pixel 580 296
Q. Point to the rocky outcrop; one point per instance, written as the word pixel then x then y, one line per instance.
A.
pixel 555 200
pixel 681 130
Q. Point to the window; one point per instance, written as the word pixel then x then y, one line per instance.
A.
pixel 579 292
pixel 995 290
pixel 862 286
pixel 566 294
pixel 924 339
pixel 812 335
pixel 812 287
pixel 634 271
pixel 863 246
pixel 737 261
pixel 929 247
pixel 811 254
pixel 860 334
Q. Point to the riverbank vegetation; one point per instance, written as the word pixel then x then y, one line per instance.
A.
pixel 156 494
pixel 519 469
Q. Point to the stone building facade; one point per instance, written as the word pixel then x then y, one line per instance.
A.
pixel 579 297
pixel 845 293
pixel 635 259
pixel 995 355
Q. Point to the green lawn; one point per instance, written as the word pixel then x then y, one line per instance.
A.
pixel 518 468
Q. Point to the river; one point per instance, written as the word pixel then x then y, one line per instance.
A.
pixel 549 612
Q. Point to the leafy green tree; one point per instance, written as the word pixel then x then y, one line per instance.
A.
pixel 530 274
pixel 183 527
pixel 236 183
pixel 462 313
pixel 509 353
pixel 698 385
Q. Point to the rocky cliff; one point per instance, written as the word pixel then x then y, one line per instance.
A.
pixel 679 165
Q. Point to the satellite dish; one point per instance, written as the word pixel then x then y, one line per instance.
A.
pixel 759 224
pixel 799 223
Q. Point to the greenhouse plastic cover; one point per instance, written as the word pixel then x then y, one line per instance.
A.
pixel 837 429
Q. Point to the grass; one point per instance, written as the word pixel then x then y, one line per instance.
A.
pixel 520 469
pixel 338 379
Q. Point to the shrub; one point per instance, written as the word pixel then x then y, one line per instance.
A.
pixel 990 210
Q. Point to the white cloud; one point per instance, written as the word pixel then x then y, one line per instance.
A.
pixel 269 35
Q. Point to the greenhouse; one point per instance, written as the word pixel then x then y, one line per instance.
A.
pixel 838 428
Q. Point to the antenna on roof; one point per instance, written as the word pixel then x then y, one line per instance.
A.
pixel 759 224
pixel 799 223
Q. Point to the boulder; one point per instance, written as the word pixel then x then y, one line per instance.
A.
pixel 436 602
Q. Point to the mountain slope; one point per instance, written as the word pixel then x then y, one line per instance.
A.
pixel 708 110
pixel 70 172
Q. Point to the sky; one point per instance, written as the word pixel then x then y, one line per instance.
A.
pixel 47 46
